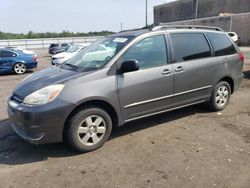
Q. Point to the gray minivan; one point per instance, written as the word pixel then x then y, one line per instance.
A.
pixel 125 77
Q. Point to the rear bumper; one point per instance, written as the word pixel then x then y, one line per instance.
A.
pixel 32 65
pixel 39 125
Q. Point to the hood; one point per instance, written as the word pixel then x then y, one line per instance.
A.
pixel 43 78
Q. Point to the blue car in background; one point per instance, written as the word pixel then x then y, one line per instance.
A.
pixel 16 61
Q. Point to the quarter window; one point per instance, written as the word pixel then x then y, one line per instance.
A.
pixel 149 52
pixel 188 46
pixel 221 44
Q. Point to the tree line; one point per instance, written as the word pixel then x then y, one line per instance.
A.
pixel 33 35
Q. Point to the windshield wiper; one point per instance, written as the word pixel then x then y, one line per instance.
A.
pixel 74 67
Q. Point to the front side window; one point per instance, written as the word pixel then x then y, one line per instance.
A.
pixel 188 46
pixel 221 44
pixel 149 52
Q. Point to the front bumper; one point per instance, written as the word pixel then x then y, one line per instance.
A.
pixel 39 124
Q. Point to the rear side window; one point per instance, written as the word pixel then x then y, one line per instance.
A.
pixel 221 44
pixel 7 54
pixel 188 46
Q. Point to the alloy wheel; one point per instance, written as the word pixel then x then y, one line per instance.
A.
pixel 19 68
pixel 222 95
pixel 91 130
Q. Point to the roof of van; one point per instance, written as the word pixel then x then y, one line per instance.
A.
pixel 132 33
pixel 170 28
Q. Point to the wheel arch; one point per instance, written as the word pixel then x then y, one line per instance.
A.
pixel 230 81
pixel 94 103
pixel 16 62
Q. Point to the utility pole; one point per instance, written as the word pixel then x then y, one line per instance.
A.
pixel 196 9
pixel 146 13
pixel 121 26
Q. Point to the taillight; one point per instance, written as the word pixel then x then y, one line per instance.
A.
pixel 34 58
pixel 241 57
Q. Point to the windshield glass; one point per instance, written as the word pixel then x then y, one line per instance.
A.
pixel 99 53
pixel 73 49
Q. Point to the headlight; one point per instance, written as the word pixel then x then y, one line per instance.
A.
pixel 44 95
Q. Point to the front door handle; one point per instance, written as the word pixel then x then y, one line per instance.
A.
pixel 179 69
pixel 166 72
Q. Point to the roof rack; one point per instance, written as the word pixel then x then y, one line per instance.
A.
pixel 137 29
pixel 165 26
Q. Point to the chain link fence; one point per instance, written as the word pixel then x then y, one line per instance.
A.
pixel 45 42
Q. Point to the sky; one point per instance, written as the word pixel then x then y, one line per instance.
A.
pixel 21 16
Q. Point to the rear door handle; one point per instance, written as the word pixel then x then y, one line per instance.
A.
pixel 166 72
pixel 179 69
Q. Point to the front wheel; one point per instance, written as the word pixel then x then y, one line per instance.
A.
pixel 220 96
pixel 89 129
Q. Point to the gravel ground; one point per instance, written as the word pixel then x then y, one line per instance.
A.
pixel 191 147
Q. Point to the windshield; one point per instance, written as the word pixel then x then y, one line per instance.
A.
pixel 98 54
pixel 73 49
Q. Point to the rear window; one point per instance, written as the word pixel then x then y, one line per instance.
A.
pixel 222 44
pixel 64 44
pixel 188 46
pixel 54 45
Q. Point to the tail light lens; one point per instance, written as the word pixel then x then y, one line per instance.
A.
pixel 241 57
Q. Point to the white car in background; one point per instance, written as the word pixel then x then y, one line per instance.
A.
pixel 21 50
pixel 102 53
pixel 64 56
pixel 234 37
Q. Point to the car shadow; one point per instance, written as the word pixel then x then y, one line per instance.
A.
pixel 15 151
pixel 14 74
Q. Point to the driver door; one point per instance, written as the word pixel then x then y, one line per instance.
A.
pixel 148 90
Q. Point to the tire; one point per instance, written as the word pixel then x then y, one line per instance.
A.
pixel 220 96
pixel 89 129
pixel 19 68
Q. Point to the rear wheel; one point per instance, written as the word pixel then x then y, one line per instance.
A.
pixel 19 68
pixel 89 129
pixel 220 96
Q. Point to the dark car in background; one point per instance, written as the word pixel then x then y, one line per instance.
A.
pixel 16 61
pixel 56 48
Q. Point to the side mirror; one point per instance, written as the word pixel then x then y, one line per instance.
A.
pixel 129 66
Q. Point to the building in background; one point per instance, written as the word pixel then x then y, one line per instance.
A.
pixel 230 15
